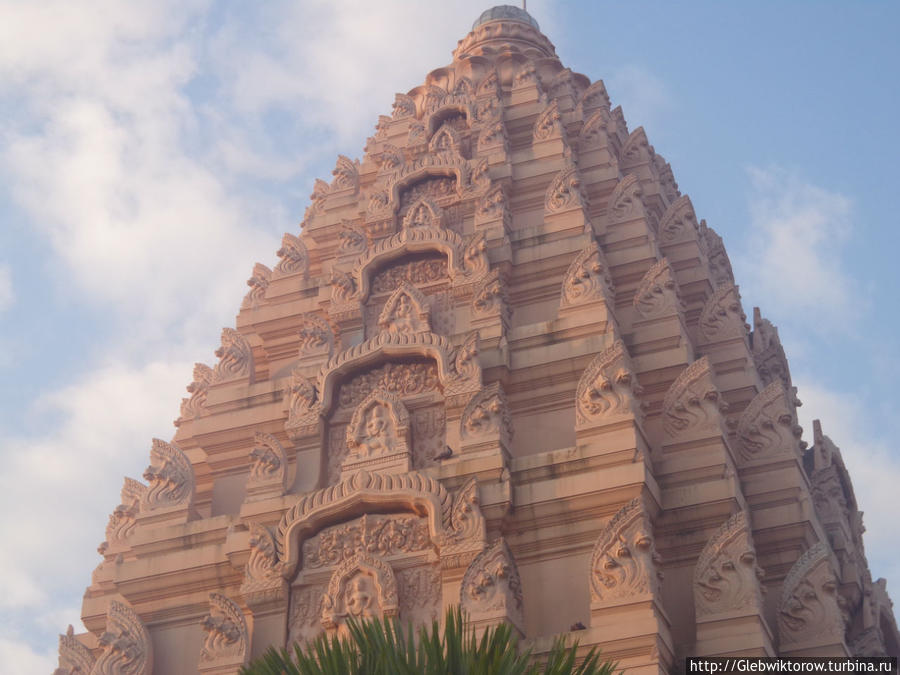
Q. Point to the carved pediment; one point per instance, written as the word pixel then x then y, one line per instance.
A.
pixel 726 577
pixel 720 271
pixel 235 358
pixel 74 657
pixel 346 174
pixel 126 644
pixel 809 613
pixel 564 192
pixel 122 521
pixel 493 136
pixel 637 149
pixel 293 256
pixel 466 528
pixel 406 311
pixel 624 562
pixel 491 587
pixel 657 295
pixel 607 389
pixel 445 139
pixel 303 407
pixel 548 126
pixel 262 574
pixel 626 201
pixel 258 283
pixel 722 316
pixel 343 288
pixel 487 415
pixel 594 96
pixel 268 464
pixel 227 641
pixel 594 131
pixel 404 106
pixel 171 479
pixel 679 223
pixel 352 239
pixel 195 406
pixel 693 402
pixel 768 354
pixel 424 213
pixel 490 300
pixel 379 427
pixel 362 587
pixel 587 279
pixel 768 426
pixel 316 337
pixel 489 85
pixel 493 206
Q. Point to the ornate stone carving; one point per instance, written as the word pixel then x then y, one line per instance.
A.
pixel 479 176
pixel 379 427
pixel 425 271
pixel 413 488
pixel 400 379
pixel 407 310
pixel 122 521
pixel 487 415
pixel 493 137
pixel 466 527
pixel 74 657
pixel 726 577
pixel 547 125
pixel 346 174
pixel 227 641
pixel 493 206
pixel 195 406
pixel 127 648
pixel 722 316
pixel 564 192
pixel 594 132
pixel 343 288
pixel 363 587
pixel 262 575
pixel 424 213
pixel 624 562
pixel 171 479
pixel 416 134
pixel 235 358
pixel 490 300
pixel 419 592
pixel 657 294
pixel 268 468
pixel 320 192
pixel 637 149
pixel 626 201
pixel 258 283
pixel 382 535
pixel 693 402
pixel 352 239
pixel 809 613
pixel 404 106
pixel 678 223
pixel 305 613
pixel 464 362
pixel 315 336
pixel 720 271
pixel 527 75
pixel 608 388
pixel 445 139
pixel 303 408
pixel 491 587
pixel 829 496
pixel 293 255
pixel 587 279
pixel 768 354
pixel 768 426
pixel 475 258
pixel 667 184
pixel 594 96
pixel 489 85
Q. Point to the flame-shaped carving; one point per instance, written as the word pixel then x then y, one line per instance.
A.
pixel 548 125
pixel 587 278
pixel 195 406
pixel 227 639
pixel 487 414
pixel 608 387
pixel 564 192
pixel 693 402
pixel 293 256
pixel 127 649
pixel 235 357
pixel 171 478
pixel 722 316
pixel 768 426
pixel 492 583
pixel 809 613
pixel 258 283
pixel 657 295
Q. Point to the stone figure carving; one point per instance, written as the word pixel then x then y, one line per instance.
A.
pixel 346 174
pixel 407 310
pixel 608 388
pixel 809 613
pixel 126 644
pixel 464 360
pixel 74 657
pixel 315 336
pixel 380 426
pixel 171 478
pixel 122 520
pixel 227 640
pixel 363 587
pixel 587 279
pixel 445 139
pixel 268 463
pixel 548 125
pixel 768 426
pixel 626 201
pixel 258 283
pixel 293 256
pixel 564 192
pixel 382 535
pixel 657 295
pixel 829 496
pixel 624 562
pixel 262 575
pixel 487 414
pixel 424 212
pixel 726 577
pixel 479 176
pixel 491 585
pixel 722 316
pixel 678 223
pixel 235 358
pixel 195 406
pixel 693 402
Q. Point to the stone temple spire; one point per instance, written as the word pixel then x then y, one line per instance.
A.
pixel 502 28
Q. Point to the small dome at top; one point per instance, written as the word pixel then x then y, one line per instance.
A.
pixel 505 12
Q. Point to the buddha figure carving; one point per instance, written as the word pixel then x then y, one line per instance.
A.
pixel 361 597
pixel 403 316
pixel 378 433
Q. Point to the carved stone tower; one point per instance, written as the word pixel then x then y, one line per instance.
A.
pixel 502 364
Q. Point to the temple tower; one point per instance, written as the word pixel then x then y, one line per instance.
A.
pixel 502 364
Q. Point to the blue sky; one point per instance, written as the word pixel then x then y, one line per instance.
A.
pixel 150 153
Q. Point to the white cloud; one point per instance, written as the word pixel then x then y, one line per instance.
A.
pixel 7 295
pixel 795 242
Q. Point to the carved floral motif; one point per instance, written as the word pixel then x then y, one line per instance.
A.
pixel 548 125
pixel 400 379
pixel 226 640
pixel 235 357
pixel 382 535
pixel 607 388
pixel 346 174
pixel 490 299
pixel 352 239
pixel 493 136
pixel 343 288
pixel 424 271
pixel 487 414
pixel 492 584
pixel 626 201
pixel 594 132
pixel 126 644
pixel 419 591
pixel 303 413
pixel 624 562
pixel 564 192
pixel 693 402
pixel 171 478
pixel 726 577
pixel 493 206
pixel 678 222
pixel 587 279
pixel 293 255
pixel 305 613
pixel 262 574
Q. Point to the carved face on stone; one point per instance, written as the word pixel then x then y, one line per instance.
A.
pixel 729 581
pixel 361 597
pixel 627 566
pixel 376 424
